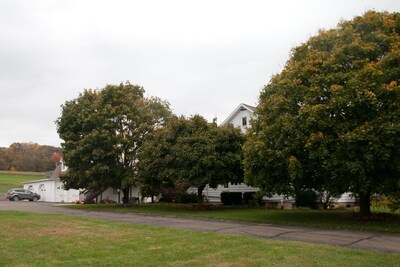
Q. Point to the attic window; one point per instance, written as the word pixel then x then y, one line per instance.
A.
pixel 244 121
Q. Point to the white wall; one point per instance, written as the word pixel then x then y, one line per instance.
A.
pixel 61 195
pixel 52 191
pixel 237 120
pixel 112 194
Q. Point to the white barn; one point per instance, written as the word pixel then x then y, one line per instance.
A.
pixel 52 189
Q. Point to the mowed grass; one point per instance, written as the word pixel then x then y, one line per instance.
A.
pixel 28 239
pixel 332 219
pixel 9 179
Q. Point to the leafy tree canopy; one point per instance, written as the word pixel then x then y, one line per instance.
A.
pixel 331 119
pixel 103 131
pixel 191 152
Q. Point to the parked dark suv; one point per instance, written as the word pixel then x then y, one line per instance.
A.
pixel 21 194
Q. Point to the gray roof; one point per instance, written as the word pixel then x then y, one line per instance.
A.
pixel 249 107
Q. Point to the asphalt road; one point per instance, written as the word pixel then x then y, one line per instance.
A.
pixel 343 238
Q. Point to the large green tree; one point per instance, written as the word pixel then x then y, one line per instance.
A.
pixel 331 119
pixel 103 131
pixel 191 152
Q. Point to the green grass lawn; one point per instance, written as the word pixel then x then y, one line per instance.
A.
pixel 333 219
pixel 10 179
pixel 28 239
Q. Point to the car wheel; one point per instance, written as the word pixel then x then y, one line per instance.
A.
pixel 35 199
pixel 15 198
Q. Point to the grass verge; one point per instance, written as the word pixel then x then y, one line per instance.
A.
pixel 28 239
pixel 332 219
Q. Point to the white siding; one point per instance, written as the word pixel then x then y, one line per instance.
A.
pixel 111 194
pixel 237 121
pixel 62 195
pixel 214 194
pixel 52 191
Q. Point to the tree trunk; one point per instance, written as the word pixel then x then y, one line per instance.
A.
pixel 365 203
pixel 327 201
pixel 200 194
pixel 125 198
pixel 90 195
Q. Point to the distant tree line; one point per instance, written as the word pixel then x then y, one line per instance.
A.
pixel 27 157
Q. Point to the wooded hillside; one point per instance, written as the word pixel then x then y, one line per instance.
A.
pixel 27 157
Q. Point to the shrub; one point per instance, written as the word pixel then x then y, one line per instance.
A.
pixel 394 203
pixel 248 196
pixel 391 202
pixel 306 199
pixel 231 198
pixel 252 198
pixel 167 195
pixel 184 197
pixel 107 201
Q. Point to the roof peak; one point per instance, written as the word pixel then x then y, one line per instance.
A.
pixel 236 111
pixel 248 106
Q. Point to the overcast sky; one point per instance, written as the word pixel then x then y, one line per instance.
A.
pixel 204 57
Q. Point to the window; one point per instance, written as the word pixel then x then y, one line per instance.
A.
pixel 42 188
pixel 244 121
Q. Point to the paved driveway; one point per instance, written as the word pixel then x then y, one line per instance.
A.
pixel 352 239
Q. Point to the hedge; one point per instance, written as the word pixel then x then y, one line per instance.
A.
pixel 231 198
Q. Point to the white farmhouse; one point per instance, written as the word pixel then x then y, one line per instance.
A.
pixel 241 118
